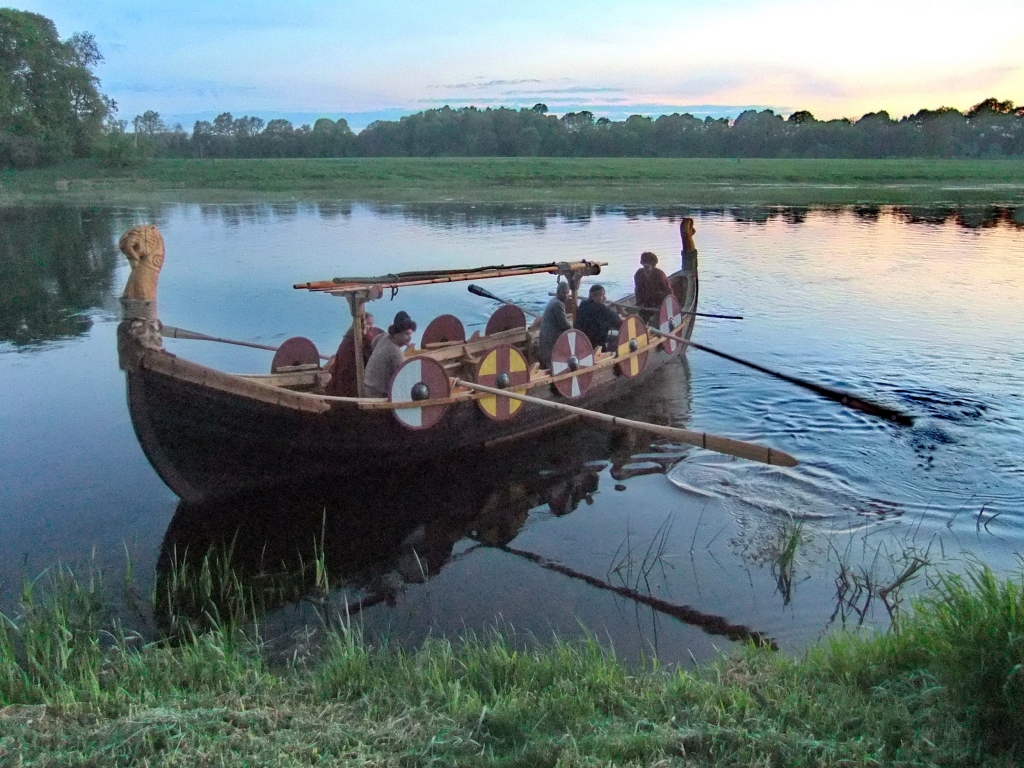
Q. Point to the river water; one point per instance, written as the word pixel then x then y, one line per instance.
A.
pixel 655 548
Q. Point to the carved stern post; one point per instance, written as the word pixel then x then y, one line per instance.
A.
pixel 139 329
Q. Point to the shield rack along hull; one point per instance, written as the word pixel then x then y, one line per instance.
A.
pixel 210 434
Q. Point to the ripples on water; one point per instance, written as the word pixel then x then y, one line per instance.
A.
pixel 921 309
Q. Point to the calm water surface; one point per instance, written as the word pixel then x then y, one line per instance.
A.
pixel 922 310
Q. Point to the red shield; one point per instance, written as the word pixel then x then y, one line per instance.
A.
pixel 441 329
pixel 505 318
pixel 295 351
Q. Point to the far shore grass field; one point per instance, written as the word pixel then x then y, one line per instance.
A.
pixel 608 181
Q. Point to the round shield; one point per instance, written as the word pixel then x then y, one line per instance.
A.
pixel 632 336
pixel 503 367
pixel 295 351
pixel 441 329
pixel 505 318
pixel 420 378
pixel 572 352
pixel 670 318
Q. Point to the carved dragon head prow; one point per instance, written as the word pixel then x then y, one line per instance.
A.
pixel 143 246
pixel 140 327
pixel 686 232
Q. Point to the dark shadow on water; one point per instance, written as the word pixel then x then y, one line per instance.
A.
pixel 345 545
pixel 370 535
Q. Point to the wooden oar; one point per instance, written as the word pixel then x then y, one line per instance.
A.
pixel 180 333
pixel 839 396
pixel 635 308
pixel 478 291
pixel 716 443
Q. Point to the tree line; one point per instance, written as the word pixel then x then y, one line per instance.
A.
pixel 992 128
pixel 51 110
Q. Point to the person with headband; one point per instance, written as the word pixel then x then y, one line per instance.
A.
pixel 388 356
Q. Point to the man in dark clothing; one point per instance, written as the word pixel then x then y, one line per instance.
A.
pixel 595 318
pixel 651 285
pixel 553 322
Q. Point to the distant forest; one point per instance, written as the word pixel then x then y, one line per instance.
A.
pixel 51 109
pixel 992 128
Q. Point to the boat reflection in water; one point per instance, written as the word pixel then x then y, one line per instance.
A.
pixel 341 547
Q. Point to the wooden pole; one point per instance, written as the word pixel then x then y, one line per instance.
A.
pixel 356 303
pixel 170 332
pixel 837 395
pixel 715 443
pixel 682 312
pixel 346 284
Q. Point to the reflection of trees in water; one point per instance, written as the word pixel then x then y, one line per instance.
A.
pixel 451 215
pixel 55 264
pixel 454 215
pixel 971 217
pixel 237 214
pixel 981 217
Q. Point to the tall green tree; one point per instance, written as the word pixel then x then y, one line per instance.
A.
pixel 50 103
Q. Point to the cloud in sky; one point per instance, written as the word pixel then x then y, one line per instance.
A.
pixel 361 56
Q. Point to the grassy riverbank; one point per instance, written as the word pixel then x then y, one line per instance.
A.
pixel 595 181
pixel 945 689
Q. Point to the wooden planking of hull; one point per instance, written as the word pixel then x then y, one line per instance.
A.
pixel 209 433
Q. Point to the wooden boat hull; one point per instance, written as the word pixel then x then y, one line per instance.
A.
pixel 207 438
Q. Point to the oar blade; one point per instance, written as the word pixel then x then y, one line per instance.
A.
pixel 751 451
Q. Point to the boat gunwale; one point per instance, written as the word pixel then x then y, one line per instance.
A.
pixel 377 403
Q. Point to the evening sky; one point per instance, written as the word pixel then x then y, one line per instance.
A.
pixel 365 59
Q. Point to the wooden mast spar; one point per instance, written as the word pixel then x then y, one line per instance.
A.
pixel 359 290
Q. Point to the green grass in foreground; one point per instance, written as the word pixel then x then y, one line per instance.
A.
pixel 945 689
pixel 543 180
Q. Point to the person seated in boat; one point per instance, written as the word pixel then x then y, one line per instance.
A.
pixel 553 322
pixel 387 356
pixel 342 366
pixel 650 285
pixel 595 318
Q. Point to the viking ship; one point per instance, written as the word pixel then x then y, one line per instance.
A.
pixel 209 433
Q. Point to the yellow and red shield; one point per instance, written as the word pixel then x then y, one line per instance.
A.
pixel 504 367
pixel 632 336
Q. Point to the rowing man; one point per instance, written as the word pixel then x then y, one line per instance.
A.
pixel 388 356
pixel 553 322
pixel 595 318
